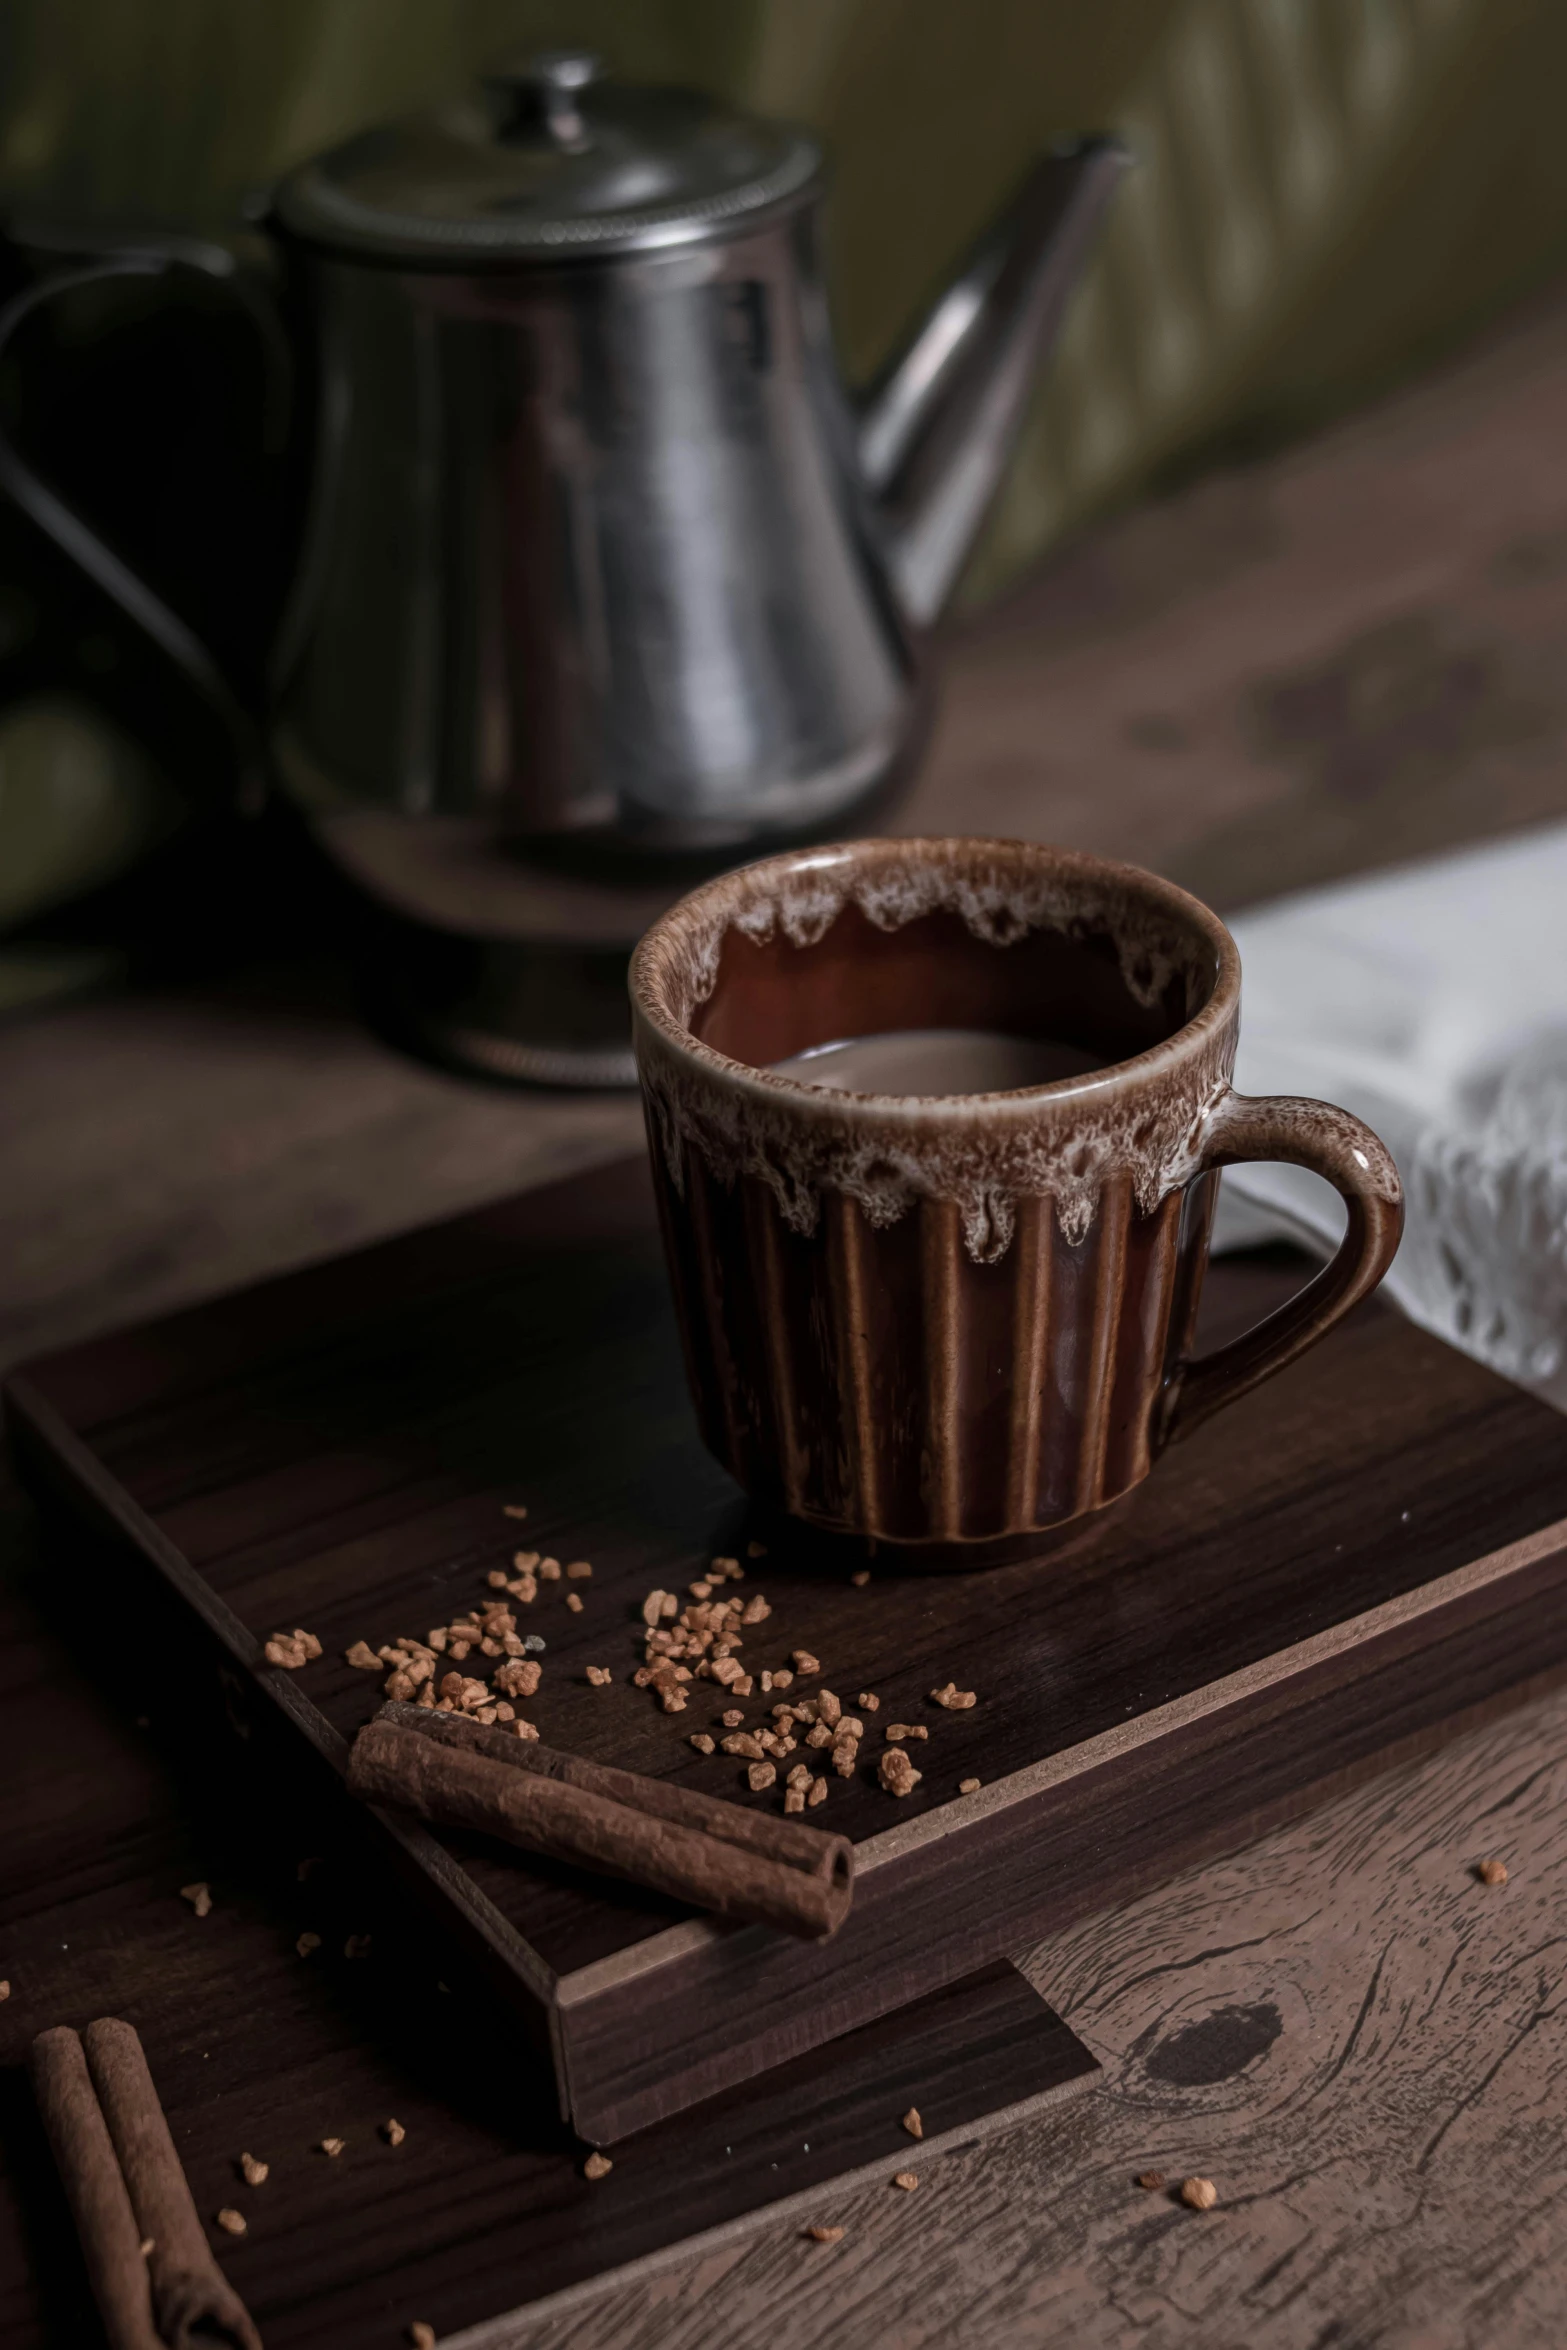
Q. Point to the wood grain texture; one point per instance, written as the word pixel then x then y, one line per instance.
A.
pixel 334 1450
pixel 1301 669
pixel 1364 2048
pixel 1309 667
pixel 255 2047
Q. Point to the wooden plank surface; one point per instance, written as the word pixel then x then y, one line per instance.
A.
pixel 1367 1547
pixel 1350 654
pixel 1360 2045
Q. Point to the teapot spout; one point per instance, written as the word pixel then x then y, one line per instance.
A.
pixel 937 430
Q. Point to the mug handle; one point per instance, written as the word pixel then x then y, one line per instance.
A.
pixel 1330 1143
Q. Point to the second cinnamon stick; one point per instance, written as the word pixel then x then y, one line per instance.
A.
pixel 195 2305
pixel 716 1855
pixel 95 2188
pixel 152 2272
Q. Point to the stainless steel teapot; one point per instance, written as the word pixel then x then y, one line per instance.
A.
pixel 598 550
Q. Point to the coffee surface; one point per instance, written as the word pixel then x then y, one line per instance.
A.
pixel 938 1061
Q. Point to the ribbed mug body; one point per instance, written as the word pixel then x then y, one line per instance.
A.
pixel 883 1382
pixel 942 1320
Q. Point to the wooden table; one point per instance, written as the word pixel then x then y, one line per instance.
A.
pixel 1351 654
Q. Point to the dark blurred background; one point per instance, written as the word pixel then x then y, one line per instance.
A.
pixel 1331 194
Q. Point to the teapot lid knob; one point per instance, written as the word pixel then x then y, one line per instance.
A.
pixel 544 89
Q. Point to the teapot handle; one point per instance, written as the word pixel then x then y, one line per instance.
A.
pixel 137 256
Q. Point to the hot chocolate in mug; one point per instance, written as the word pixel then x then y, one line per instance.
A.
pixel 936 1129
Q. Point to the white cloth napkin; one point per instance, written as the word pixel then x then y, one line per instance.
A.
pixel 1432 1001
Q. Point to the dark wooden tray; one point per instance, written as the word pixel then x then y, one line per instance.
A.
pixel 1364 1553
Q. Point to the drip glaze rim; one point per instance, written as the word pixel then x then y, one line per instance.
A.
pixel 694 930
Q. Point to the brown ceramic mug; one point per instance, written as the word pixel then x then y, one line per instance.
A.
pixel 961 1318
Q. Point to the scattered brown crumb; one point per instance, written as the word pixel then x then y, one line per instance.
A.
pixel 574 1602
pixel 701 1741
pixel 199 1897
pixel 5 1990
pixel 307 1943
pixel 232 2222
pixel 783 1678
pixel 363 1658
pixel 825 2235
pixel 513 1509
pixel 912 2122
pixel 818 1793
pixel 896 1731
pixel 745 1743
pixel 1492 1872
pixel 549 1570
pixel 896 1772
pixel 908 2180
pixel 600 1676
pixel 496 1578
pixel 955 1700
pixel 761 1776
pixel 869 1701
pixel 357 1946
pixel 732 1719
pixel 970 1786
pixel 652 1608
pixel 292 1649
pixel 517 1677
pixel 421 2336
pixel 794 1799
pixel 525 1729
pixel 722 1567
pixel 148 2244
pixel 860 1578
pixel 333 2147
pixel 701 1588
pixel 254 2172
pixel 1150 2181
pixel 1201 2194
pixel 578 1570
pixel 393 2132
pixel 803 1661
pixel 597 2166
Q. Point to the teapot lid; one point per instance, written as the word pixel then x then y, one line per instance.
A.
pixel 550 163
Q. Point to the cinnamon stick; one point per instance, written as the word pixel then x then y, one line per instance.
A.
pixel 716 1855
pixel 95 2189
pixel 126 2187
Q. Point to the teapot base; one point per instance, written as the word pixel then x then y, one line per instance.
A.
pixel 506 958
